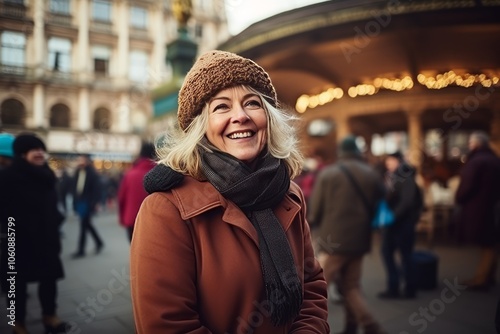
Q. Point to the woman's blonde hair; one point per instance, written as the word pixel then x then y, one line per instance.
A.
pixel 180 152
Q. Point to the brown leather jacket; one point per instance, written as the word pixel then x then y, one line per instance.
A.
pixel 195 265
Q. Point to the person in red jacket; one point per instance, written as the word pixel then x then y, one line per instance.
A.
pixel 131 192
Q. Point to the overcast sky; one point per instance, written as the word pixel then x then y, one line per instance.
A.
pixel 242 13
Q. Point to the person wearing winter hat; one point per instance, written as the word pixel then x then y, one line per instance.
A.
pixel 349 147
pixel 6 151
pixel 221 244
pixel 343 231
pixel 29 213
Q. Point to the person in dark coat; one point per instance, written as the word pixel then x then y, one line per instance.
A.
pixel 86 195
pixel 30 220
pixel 344 232
pixel 131 192
pixel 477 195
pixel 405 200
pixel 63 187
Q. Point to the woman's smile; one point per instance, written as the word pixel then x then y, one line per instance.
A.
pixel 237 123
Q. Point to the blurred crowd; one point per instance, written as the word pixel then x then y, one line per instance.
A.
pixel 35 201
pixel 344 196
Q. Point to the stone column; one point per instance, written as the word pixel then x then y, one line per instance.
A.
pixel 39 42
pixel 122 60
pixel 122 114
pixel 83 41
pixel 83 109
pixel 39 107
pixel 157 29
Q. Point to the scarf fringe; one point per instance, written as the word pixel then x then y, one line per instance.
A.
pixel 285 302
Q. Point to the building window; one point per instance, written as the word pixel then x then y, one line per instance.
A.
pixel 138 17
pixel 59 116
pixel 100 57
pixel 12 112
pixel 60 6
pixel 102 119
pixel 60 54
pixel 138 66
pixel 13 46
pixel 101 10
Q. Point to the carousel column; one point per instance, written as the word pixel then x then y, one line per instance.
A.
pixel 416 138
pixel 495 132
pixel 368 145
pixel 342 128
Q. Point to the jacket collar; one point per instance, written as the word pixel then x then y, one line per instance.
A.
pixel 196 197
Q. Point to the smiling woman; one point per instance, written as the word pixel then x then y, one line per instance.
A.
pixel 237 123
pixel 224 213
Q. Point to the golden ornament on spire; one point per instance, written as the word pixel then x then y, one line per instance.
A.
pixel 182 11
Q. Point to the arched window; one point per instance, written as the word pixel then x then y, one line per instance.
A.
pixel 12 112
pixel 59 116
pixel 102 119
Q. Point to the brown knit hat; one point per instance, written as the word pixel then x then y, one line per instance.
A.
pixel 214 71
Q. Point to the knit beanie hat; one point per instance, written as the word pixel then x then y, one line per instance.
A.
pixel 214 71
pixel 6 140
pixel 26 142
pixel 398 155
pixel 348 146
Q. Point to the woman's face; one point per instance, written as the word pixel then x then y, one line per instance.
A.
pixel 391 164
pixel 35 156
pixel 237 123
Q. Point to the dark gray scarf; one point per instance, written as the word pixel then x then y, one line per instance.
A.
pixel 256 192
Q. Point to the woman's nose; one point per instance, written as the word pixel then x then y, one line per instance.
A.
pixel 240 115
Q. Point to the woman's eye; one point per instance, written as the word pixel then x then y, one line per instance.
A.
pixel 253 103
pixel 220 107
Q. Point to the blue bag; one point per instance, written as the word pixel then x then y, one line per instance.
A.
pixel 82 208
pixel 383 215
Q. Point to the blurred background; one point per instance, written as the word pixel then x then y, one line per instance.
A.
pixel 100 76
pixel 97 76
